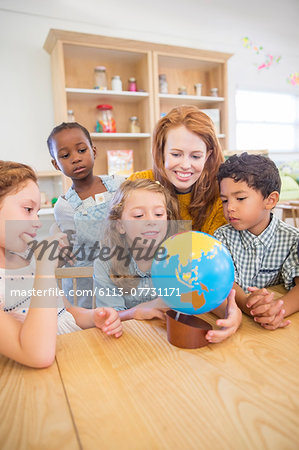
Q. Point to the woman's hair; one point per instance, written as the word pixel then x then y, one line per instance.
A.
pixel 205 190
pixel 119 272
pixel 13 176
pixel 66 126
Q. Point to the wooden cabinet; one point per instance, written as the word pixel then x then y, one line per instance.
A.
pixel 74 57
pixel 51 185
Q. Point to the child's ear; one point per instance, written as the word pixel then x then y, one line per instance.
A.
pixel 119 227
pixel 54 164
pixel 272 200
pixel 94 149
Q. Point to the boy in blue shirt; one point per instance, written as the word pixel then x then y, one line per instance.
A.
pixel 263 248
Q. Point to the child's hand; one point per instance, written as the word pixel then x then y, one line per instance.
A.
pixel 66 255
pixel 45 257
pixel 230 324
pixel 266 311
pixel 107 320
pixel 154 309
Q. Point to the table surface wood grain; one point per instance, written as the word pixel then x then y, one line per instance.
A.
pixel 140 392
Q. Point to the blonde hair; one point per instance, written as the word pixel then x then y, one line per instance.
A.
pixel 205 190
pixel 119 271
pixel 13 176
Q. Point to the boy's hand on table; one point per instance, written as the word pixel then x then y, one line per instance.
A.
pixel 266 311
pixel 108 320
pixel 230 324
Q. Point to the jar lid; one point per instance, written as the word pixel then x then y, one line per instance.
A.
pixel 116 77
pixel 134 118
pixel 100 68
pixel 103 107
pixel 162 76
pixel 132 79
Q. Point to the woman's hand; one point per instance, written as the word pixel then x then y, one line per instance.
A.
pixel 230 324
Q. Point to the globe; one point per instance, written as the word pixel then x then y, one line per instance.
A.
pixel 192 272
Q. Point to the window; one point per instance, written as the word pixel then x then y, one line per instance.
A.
pixel 268 121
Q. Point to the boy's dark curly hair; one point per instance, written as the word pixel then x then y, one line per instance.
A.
pixel 259 172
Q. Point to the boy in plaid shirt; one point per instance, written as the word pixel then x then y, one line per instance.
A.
pixel 264 249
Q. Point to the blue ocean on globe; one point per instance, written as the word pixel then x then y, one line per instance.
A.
pixel 197 274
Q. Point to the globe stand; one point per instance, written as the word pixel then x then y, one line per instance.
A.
pixel 187 331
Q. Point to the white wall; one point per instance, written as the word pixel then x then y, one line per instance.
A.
pixel 26 110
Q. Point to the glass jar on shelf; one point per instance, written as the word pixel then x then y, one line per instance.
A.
pixel 132 86
pixel 134 126
pixel 100 78
pixel 163 85
pixel 182 90
pixel 197 88
pixel 105 121
pixel 214 92
pixel 116 84
pixel 70 115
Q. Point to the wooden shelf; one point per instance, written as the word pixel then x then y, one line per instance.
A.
pixel 129 136
pixel 46 211
pixel 122 96
pixel 74 57
pixel 191 99
pixel 49 173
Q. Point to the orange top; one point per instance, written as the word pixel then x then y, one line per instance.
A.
pixel 216 218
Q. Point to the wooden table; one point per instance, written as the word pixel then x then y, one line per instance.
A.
pixel 290 210
pixel 140 392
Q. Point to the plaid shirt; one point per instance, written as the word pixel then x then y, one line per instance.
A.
pixel 265 260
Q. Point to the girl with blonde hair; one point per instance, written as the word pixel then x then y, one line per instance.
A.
pixel 142 215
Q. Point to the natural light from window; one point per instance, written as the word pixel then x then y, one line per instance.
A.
pixel 267 121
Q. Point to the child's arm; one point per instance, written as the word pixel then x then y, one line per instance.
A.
pixel 154 309
pixel 271 313
pixel 232 317
pixel 264 301
pixel 64 215
pixel 241 298
pixel 33 342
pixel 106 319
pixel 108 294
pixel 291 299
